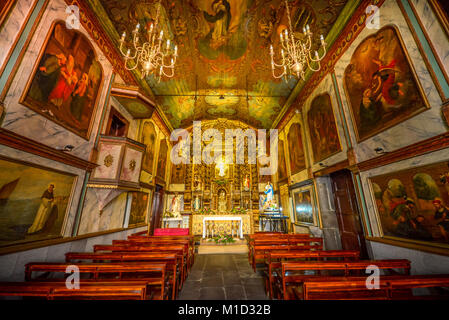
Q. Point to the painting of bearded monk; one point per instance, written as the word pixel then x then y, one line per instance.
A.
pixel 381 85
pixel 65 83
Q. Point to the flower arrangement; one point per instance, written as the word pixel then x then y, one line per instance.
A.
pixel 168 214
pixel 238 210
pixel 223 239
pixel 207 211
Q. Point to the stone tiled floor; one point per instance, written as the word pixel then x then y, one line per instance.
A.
pixel 223 277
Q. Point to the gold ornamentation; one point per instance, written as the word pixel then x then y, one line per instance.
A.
pixel 108 160
pixel 132 165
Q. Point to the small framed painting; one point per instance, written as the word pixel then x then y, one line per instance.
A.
pixel 304 206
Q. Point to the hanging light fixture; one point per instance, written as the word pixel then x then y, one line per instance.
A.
pixel 154 56
pixel 296 54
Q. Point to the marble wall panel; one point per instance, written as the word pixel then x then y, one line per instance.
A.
pixel 12 27
pixel 438 37
pixel 12 266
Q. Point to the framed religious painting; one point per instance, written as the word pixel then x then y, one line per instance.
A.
pixel 162 160
pixel 66 80
pixel 322 128
pixel 282 166
pixel 381 85
pixel 178 173
pixel 148 137
pixel 139 208
pixel 304 206
pixel 34 202
pixel 412 205
pixel 296 149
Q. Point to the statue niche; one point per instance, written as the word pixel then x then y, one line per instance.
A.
pixel 222 201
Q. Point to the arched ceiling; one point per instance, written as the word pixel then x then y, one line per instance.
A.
pixel 223 69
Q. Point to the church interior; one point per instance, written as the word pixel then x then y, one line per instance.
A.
pixel 224 149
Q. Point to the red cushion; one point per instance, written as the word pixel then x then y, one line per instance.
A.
pixel 171 232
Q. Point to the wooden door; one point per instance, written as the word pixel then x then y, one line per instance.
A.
pixel 347 211
pixel 157 208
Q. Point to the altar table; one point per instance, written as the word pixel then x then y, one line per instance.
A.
pixel 223 223
pixel 218 218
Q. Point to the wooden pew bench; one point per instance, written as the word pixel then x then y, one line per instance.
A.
pixel 153 274
pixel 180 249
pixel 270 237
pixel 293 274
pixel 274 259
pixel 259 250
pixel 390 288
pixel 284 240
pixel 125 290
pixel 173 261
pixel 151 241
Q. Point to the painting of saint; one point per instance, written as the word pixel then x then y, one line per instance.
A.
pixel 413 204
pixel 33 202
pixel 149 140
pixel 303 207
pixel 381 85
pixel 65 83
pixel 296 149
pixel 223 30
pixel 162 161
pixel 282 171
pixel 139 206
pixel 322 128
pixel 178 172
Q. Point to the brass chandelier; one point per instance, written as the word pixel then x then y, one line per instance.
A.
pixel 296 53
pixel 154 56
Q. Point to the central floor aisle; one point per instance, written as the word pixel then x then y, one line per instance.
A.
pixel 223 277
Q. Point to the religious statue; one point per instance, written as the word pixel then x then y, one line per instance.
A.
pixel 222 202
pixel 269 198
pixel 246 183
pixel 220 168
pixel 175 206
pixel 197 183
pixel 196 204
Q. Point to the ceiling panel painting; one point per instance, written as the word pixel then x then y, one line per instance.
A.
pixel 224 67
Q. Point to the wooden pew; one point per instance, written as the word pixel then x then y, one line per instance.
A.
pixel 159 244
pixel 259 250
pixel 141 233
pixel 153 274
pixel 259 235
pixel 125 290
pixel 292 273
pixel 175 239
pixel 173 261
pixel 189 242
pixel 180 249
pixel 274 259
pixel 390 288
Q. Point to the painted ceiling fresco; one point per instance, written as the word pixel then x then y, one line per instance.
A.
pixel 223 69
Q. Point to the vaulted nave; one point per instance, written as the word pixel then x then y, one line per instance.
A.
pixel 191 150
